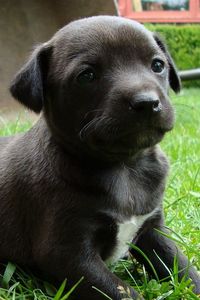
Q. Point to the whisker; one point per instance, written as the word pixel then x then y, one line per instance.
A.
pixel 88 126
pixel 101 124
pixel 92 111
pixel 112 130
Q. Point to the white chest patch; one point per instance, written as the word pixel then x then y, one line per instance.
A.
pixel 126 233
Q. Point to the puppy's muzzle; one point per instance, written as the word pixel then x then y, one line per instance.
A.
pixel 146 103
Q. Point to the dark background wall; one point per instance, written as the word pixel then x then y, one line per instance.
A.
pixel 24 23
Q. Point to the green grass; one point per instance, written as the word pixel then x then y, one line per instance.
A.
pixel 182 211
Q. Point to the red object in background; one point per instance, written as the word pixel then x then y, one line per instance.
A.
pixel 161 11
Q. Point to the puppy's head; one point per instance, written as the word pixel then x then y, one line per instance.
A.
pixel 102 83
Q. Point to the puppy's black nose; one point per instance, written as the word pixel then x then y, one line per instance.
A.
pixel 148 103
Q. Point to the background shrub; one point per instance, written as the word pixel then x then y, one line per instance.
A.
pixel 184 44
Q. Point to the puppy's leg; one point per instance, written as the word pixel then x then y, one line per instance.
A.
pixel 151 242
pixel 92 268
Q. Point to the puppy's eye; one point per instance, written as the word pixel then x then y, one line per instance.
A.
pixel 87 76
pixel 157 65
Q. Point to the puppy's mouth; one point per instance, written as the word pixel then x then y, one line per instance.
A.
pixel 120 139
pixel 124 146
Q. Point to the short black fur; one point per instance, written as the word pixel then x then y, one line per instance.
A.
pixel 91 162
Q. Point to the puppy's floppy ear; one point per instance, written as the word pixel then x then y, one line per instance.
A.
pixel 28 84
pixel 174 79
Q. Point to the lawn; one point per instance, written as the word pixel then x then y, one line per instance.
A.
pixel 182 211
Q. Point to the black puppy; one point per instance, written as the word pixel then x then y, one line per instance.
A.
pixel 88 178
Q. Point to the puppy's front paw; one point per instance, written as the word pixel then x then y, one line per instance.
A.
pixel 128 293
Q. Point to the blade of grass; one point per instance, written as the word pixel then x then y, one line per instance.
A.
pixel 102 293
pixel 146 258
pixel 8 273
pixel 131 276
pixel 60 290
pixel 66 296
